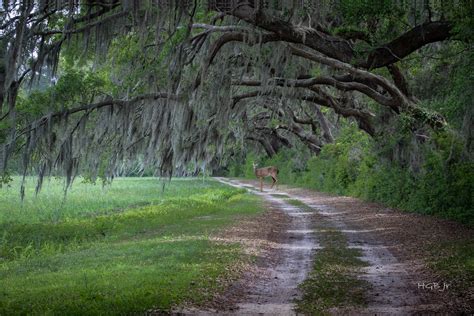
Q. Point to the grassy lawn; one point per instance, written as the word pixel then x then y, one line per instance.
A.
pixel 122 249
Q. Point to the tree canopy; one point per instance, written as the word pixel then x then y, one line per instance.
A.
pixel 179 86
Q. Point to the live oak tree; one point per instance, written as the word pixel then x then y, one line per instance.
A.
pixel 187 81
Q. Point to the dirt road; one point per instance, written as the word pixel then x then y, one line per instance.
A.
pixel 392 243
pixel 274 294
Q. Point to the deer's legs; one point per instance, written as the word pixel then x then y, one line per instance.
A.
pixel 261 184
pixel 273 182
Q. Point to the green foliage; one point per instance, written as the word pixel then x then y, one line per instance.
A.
pixel 5 179
pixel 454 98
pixel 134 65
pixel 356 11
pixel 126 62
pixel 379 20
pixel 248 166
pixel 120 260
pixel 440 181
pixel 462 15
pixel 74 86
pixel 236 170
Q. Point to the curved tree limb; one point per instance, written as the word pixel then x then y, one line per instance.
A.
pixel 320 98
pixel 363 74
pixel 406 44
pixel 323 80
pixel 341 49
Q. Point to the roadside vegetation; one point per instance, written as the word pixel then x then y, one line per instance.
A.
pixel 121 249
pixel 441 184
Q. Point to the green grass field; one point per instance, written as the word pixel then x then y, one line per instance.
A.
pixel 115 250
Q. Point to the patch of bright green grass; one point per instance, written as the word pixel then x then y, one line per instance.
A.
pixel 85 199
pixel 300 204
pixel 333 280
pixel 279 195
pixel 126 260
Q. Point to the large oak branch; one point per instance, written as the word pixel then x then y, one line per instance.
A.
pixel 407 43
pixel 338 47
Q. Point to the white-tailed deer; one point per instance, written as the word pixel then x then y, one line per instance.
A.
pixel 266 172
